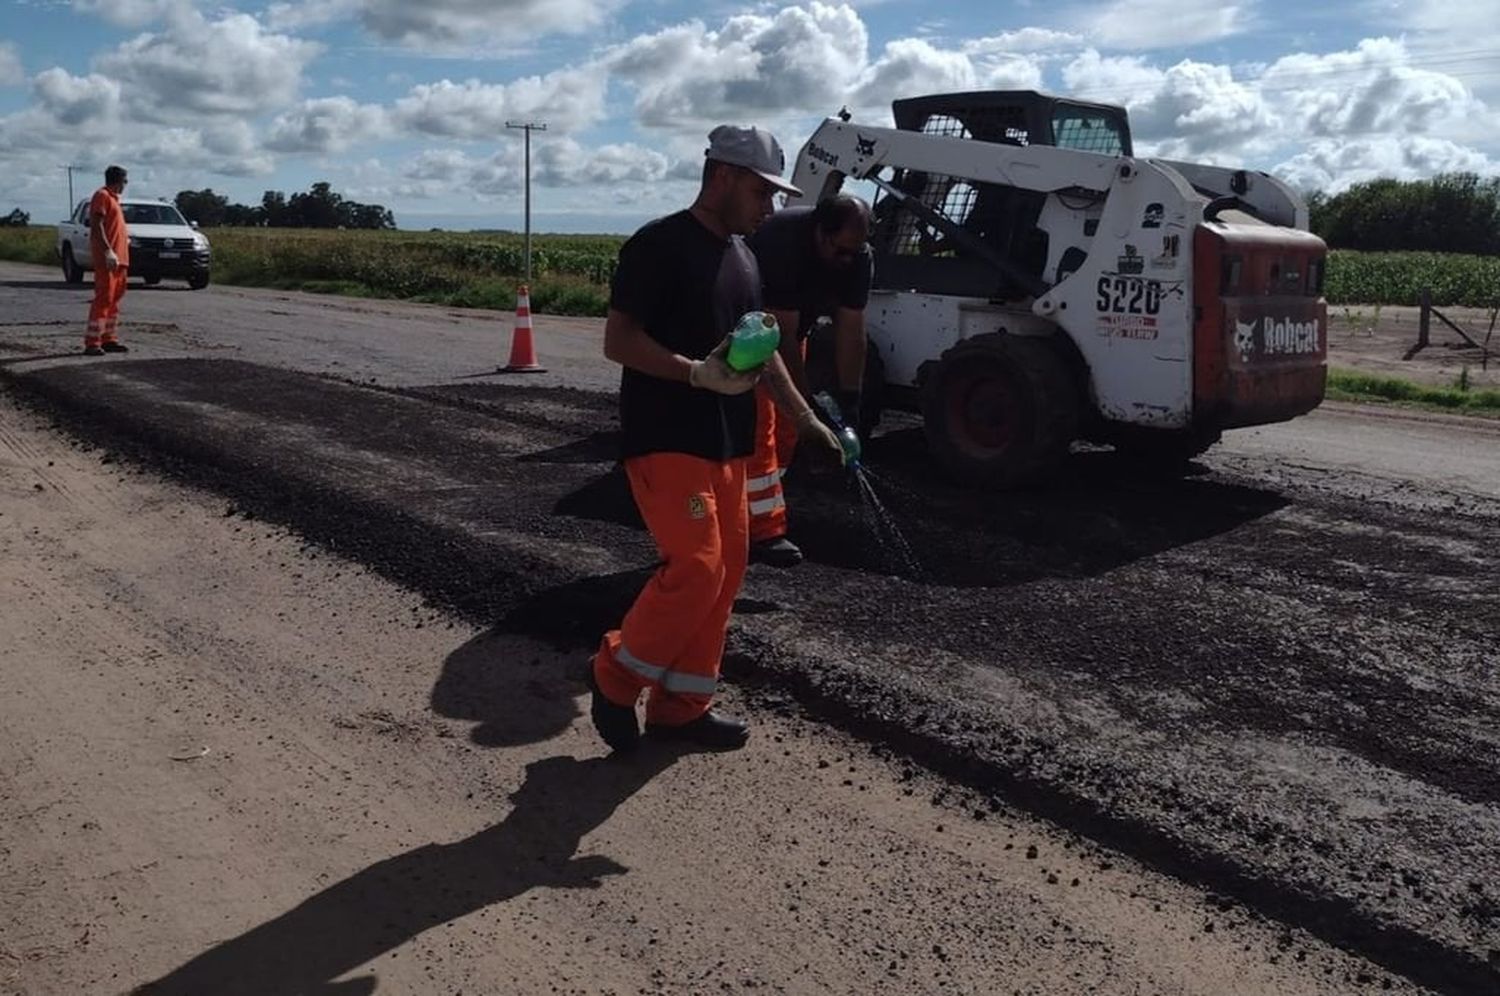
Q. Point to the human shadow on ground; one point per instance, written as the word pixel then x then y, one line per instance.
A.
pixel 577 613
pixel 511 693
pixel 392 901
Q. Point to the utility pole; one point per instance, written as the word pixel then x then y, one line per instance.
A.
pixel 70 168
pixel 528 127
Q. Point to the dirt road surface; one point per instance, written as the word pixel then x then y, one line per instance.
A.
pixel 1272 681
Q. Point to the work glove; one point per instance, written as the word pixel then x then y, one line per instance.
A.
pixel 822 447
pixel 111 261
pixel 713 373
pixel 849 407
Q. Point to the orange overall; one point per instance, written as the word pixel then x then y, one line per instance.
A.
pixel 775 442
pixel 109 287
pixel 684 450
pixel 672 638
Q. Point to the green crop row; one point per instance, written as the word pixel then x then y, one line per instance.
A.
pixel 573 271
pixel 1399 277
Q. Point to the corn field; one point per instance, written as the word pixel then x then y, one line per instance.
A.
pixel 571 273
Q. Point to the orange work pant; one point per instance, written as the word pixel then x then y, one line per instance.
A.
pixel 104 311
pixel 672 639
pixel 775 442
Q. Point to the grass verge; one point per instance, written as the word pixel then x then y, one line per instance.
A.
pixel 1351 385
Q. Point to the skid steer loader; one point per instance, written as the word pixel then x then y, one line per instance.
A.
pixel 1035 283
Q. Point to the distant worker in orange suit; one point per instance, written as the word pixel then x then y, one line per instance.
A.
pixel 109 245
pixel 687 422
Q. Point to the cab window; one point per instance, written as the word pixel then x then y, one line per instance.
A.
pixel 1087 131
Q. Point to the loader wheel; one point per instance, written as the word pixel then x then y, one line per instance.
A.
pixel 1000 410
pixel 822 375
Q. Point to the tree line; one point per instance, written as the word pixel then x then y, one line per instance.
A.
pixel 1452 212
pixel 319 207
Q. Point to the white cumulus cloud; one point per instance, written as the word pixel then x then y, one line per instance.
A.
pixel 73 100
pixel 1150 24
pixel 231 66
pixel 565 100
pixel 327 124
pixel 449 24
pixel 1336 164
pixel 1371 90
pixel 755 66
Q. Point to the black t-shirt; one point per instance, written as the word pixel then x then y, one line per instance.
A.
pixel 793 276
pixel 687 287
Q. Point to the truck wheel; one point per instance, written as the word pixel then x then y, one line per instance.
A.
pixel 72 272
pixel 822 375
pixel 198 282
pixel 1000 410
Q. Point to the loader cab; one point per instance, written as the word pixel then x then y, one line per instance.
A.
pixel 908 255
pixel 1019 117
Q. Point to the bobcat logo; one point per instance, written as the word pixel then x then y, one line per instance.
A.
pixel 864 146
pixel 1244 338
pixel 697 506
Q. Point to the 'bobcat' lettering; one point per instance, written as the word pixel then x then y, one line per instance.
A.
pixel 822 155
pixel 1290 337
pixel 1284 337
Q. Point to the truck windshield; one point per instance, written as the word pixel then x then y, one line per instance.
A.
pixel 151 214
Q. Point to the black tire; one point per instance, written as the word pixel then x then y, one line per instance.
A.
pixel 822 375
pixel 999 410
pixel 72 272
pixel 151 281
pixel 198 282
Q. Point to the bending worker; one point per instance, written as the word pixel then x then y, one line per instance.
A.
pixel 687 422
pixel 814 263
pixel 109 248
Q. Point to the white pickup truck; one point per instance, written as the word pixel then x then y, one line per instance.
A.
pixel 162 243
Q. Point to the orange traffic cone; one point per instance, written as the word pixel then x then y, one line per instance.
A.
pixel 522 349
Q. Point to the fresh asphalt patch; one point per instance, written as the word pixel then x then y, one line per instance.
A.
pixel 1286 692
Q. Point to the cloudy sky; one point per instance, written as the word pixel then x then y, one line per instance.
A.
pixel 405 102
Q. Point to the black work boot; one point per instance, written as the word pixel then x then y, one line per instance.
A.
pixel 116 347
pixel 776 552
pixel 92 351
pixel 709 730
pixel 616 724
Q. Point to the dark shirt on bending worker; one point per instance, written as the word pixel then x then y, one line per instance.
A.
pixel 794 277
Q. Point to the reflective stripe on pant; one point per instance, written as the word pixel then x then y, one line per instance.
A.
pixel 775 441
pixel 104 310
pixel 672 639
